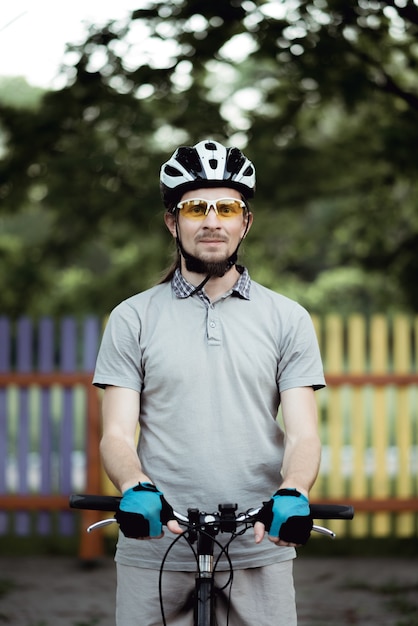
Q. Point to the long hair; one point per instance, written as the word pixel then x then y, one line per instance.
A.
pixel 168 273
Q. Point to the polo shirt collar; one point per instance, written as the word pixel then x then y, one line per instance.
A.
pixel 183 289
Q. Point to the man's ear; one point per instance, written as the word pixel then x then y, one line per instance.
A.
pixel 170 222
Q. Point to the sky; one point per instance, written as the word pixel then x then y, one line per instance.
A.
pixel 33 33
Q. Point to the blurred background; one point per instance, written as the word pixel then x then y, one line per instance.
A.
pixel 322 96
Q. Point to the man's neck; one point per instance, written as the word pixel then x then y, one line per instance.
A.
pixel 216 286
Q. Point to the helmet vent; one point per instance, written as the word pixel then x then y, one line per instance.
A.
pixel 213 163
pixel 210 146
pixel 171 171
pixel 235 160
pixel 189 159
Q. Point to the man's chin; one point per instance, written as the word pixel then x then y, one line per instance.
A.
pixel 206 267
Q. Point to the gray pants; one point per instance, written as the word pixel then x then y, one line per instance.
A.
pixel 262 596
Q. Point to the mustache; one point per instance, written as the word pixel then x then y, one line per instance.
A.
pixel 208 237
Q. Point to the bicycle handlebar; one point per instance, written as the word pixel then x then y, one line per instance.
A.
pixel 111 504
pixel 94 503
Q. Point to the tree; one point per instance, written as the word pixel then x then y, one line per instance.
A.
pixel 320 93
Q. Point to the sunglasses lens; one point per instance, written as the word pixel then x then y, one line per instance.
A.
pixel 227 207
pixel 197 208
pixel 193 209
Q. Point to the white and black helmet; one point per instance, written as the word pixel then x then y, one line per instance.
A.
pixel 207 164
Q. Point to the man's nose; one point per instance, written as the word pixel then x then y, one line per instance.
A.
pixel 212 217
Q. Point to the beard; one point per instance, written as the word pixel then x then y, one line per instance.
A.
pixel 209 268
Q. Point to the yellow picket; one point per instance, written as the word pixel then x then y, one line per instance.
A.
pixel 358 418
pixel 319 489
pixel 380 431
pixel 403 423
pixel 334 357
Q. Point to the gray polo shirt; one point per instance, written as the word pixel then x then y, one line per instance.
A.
pixel 210 376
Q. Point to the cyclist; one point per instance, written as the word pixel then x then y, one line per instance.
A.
pixel 203 360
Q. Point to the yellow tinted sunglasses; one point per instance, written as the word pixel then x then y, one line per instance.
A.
pixel 198 209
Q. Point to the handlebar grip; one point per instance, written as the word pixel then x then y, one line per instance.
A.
pixel 332 511
pixel 94 503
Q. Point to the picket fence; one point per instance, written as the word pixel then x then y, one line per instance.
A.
pixel 369 422
pixel 49 424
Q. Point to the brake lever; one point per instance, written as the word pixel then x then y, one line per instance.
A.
pixel 324 531
pixel 101 524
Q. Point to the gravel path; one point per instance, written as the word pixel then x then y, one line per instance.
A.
pixel 57 591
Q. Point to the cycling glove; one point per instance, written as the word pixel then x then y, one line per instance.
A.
pixel 142 511
pixel 287 516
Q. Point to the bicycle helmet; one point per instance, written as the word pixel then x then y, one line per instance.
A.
pixel 207 164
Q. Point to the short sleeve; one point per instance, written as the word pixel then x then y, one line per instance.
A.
pixel 119 361
pixel 300 363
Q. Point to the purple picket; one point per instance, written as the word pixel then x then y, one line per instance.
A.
pixel 68 345
pixel 5 346
pixel 24 365
pixel 91 338
pixel 45 365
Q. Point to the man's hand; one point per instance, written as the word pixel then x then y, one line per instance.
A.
pixel 286 517
pixel 142 512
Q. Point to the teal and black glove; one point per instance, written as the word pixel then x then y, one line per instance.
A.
pixel 142 512
pixel 287 516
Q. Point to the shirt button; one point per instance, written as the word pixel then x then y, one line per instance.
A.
pixel 212 324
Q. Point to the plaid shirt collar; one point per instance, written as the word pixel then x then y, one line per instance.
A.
pixel 183 289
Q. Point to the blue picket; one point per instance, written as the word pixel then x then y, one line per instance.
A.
pixel 91 339
pixel 5 345
pixel 46 366
pixel 24 365
pixel 68 345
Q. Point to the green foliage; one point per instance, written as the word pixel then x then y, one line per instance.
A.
pixel 15 91
pixel 322 96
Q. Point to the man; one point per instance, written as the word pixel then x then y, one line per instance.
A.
pixel 203 360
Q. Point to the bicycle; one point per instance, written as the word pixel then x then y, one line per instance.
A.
pixel 202 528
